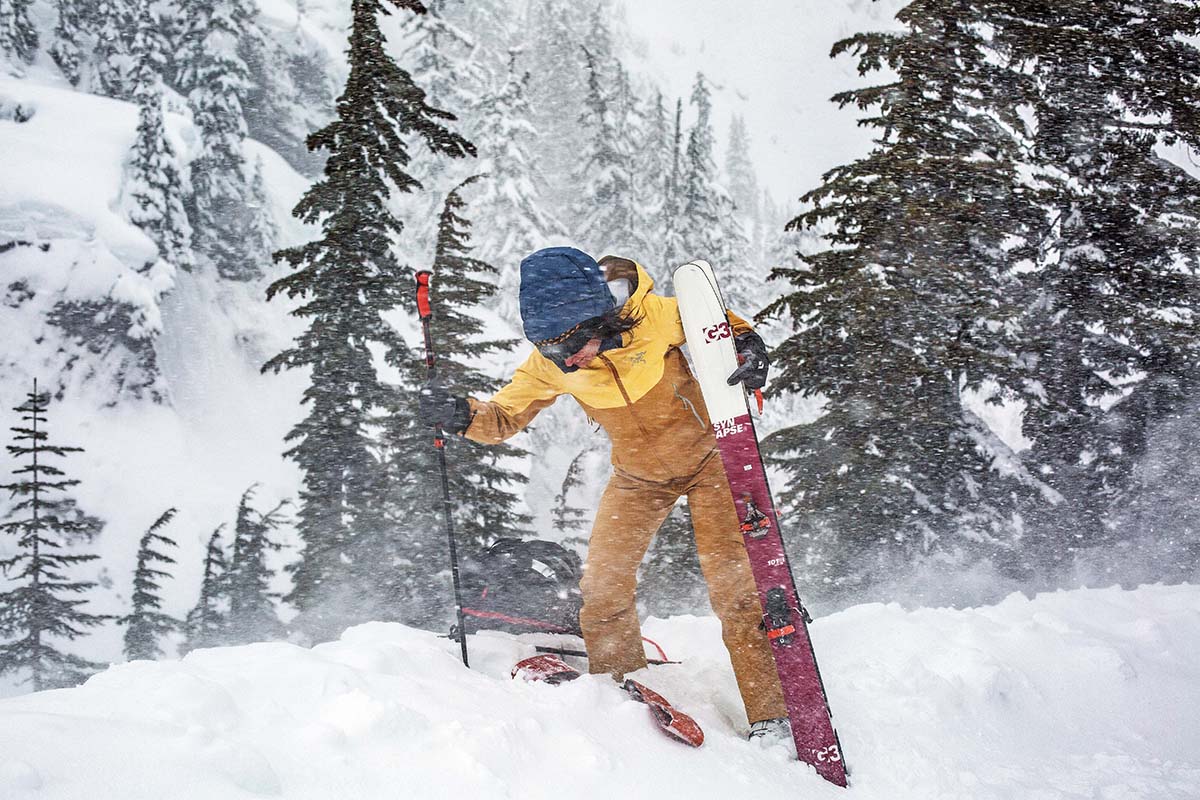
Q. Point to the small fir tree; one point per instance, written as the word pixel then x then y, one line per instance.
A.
pixel 18 36
pixel 215 79
pixel 252 616
pixel 571 520
pixel 604 206
pixel 206 622
pixel 114 23
pixel 154 188
pixel 146 624
pixel 485 505
pixel 71 37
pixel 670 581
pixel 708 227
pixel 45 605
pixel 670 223
pixel 510 207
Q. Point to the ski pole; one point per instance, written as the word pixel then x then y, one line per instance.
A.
pixel 425 311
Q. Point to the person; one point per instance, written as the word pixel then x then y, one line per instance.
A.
pixel 601 335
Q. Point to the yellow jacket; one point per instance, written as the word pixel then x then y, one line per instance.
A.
pixel 642 393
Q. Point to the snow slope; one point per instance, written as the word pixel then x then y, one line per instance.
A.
pixel 1081 694
pixel 220 425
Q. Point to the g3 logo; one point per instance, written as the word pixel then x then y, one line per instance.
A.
pixel 831 754
pixel 718 331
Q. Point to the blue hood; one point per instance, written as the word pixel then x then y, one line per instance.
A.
pixel 560 288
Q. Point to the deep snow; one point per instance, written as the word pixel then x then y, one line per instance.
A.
pixel 1080 694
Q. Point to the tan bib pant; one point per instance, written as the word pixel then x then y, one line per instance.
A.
pixel 630 512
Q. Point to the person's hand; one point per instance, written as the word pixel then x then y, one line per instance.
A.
pixel 437 407
pixel 752 352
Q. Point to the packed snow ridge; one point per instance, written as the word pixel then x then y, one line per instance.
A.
pixel 1087 693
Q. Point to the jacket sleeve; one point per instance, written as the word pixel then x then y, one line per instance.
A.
pixel 513 407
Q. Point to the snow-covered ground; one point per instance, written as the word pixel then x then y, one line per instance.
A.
pixel 1079 694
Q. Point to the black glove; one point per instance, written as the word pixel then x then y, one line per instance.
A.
pixel 437 407
pixel 752 351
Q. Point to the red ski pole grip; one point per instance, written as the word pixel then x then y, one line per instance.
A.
pixel 423 308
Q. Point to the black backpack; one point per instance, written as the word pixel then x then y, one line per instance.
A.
pixel 521 587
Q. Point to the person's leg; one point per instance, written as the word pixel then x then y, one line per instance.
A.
pixel 732 592
pixel 630 513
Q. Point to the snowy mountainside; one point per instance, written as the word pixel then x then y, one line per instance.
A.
pixel 170 412
pixel 1086 693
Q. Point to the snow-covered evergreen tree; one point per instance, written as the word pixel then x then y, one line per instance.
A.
pixel 154 188
pixel 247 583
pixel 708 227
pixel 288 92
pixel 215 79
pixel 604 215
pixel 71 35
pixel 482 486
pixel 114 23
pixel 651 176
pixel 673 247
pixel 670 581
pixel 558 84
pixel 45 604
pixel 18 36
pixel 511 219
pixel 1114 303
pixel 206 622
pixel 904 310
pixel 260 231
pixel 348 279
pixel 440 58
pixel 146 624
pixel 739 170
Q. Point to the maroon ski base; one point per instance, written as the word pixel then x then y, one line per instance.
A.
pixel 783 616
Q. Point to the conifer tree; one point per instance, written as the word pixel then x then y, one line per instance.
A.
pixel 70 39
pixel 441 57
pixel 605 218
pixel 485 505
pixel 261 231
pixel 45 605
pixel 743 186
pixel 348 279
pixel 509 205
pixel 557 87
pixel 673 247
pixel 1114 305
pixel 114 23
pixel 287 93
pixel 570 520
pixel 670 581
pixel 215 79
pixel 154 188
pixel 252 616
pixel 743 183
pixel 146 624
pixel 903 312
pixel 708 227
pixel 18 37
pixel 206 622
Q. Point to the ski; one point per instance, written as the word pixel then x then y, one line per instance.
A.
pixel 549 668
pixel 714 358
